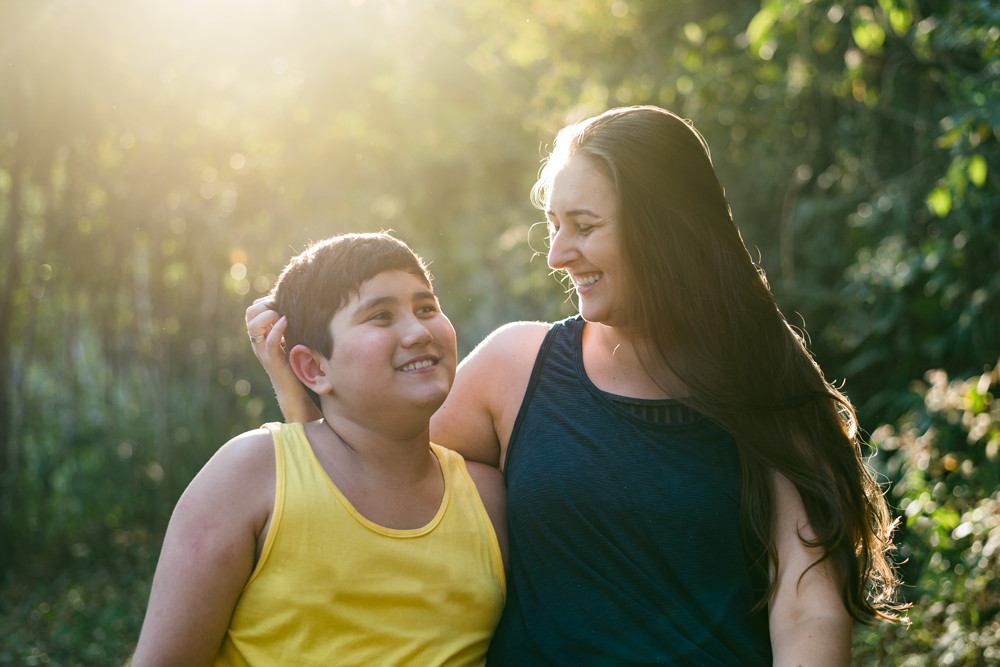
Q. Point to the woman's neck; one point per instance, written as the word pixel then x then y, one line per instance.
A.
pixel 612 363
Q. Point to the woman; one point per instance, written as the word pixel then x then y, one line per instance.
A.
pixel 684 487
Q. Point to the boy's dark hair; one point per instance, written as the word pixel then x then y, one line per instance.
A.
pixel 319 281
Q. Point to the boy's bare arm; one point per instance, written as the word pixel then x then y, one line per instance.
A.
pixel 208 554
pixel 492 489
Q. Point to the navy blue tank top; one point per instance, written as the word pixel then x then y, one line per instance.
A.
pixel 624 532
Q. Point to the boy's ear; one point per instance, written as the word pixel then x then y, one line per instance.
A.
pixel 305 364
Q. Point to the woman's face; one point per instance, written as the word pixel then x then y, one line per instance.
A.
pixel 584 239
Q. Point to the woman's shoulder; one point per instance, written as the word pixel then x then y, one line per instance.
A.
pixel 510 342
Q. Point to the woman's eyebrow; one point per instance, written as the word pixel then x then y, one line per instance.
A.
pixel 576 212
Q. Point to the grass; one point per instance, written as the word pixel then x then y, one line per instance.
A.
pixel 77 612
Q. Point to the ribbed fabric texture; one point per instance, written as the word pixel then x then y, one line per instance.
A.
pixel 332 588
pixel 625 540
pixel 665 411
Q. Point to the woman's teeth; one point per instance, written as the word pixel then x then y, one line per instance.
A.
pixel 589 280
pixel 417 365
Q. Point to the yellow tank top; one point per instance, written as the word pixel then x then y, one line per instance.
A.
pixel 332 588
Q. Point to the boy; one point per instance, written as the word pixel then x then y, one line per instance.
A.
pixel 351 540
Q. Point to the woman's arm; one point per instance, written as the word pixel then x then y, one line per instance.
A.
pixel 208 554
pixel 808 620
pixel 477 418
pixel 493 492
pixel 294 401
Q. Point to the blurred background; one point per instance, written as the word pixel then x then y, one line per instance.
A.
pixel 161 161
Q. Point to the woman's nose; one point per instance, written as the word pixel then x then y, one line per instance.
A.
pixel 561 250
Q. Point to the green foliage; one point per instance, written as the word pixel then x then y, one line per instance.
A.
pixel 88 614
pixel 944 461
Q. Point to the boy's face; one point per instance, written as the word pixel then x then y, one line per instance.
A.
pixel 392 348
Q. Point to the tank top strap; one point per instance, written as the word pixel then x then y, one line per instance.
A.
pixel 280 434
pixel 556 336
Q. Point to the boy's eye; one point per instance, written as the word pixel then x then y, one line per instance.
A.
pixel 427 310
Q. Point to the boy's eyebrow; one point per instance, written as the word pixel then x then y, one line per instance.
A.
pixel 423 294
pixel 376 301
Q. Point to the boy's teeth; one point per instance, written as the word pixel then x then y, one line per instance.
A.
pixel 417 364
pixel 589 280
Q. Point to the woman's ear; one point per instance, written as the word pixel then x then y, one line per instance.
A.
pixel 305 364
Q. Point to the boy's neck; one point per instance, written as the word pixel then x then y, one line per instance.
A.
pixel 390 478
pixel 401 453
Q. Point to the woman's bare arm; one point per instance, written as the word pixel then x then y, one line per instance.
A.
pixel 477 418
pixel 809 623
pixel 493 492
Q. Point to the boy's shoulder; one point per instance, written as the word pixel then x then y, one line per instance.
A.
pixel 247 462
pixel 252 448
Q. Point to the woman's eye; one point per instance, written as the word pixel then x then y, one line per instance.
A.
pixel 584 229
pixel 381 315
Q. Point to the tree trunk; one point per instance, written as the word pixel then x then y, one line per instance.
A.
pixel 12 262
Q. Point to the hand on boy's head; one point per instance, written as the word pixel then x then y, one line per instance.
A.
pixel 261 306
pixel 266 329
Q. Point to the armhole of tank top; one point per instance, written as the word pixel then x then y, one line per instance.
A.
pixel 490 530
pixel 279 500
pixel 536 371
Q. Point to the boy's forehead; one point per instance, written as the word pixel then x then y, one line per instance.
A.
pixel 387 286
pixel 392 280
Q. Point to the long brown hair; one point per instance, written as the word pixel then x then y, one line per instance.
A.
pixel 706 318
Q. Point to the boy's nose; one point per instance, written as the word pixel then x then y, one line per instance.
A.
pixel 417 333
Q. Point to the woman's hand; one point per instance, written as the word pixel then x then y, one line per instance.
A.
pixel 266 329
pixel 264 321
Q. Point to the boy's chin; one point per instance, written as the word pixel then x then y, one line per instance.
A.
pixel 431 403
pixel 420 406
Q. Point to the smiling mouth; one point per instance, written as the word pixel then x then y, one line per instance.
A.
pixel 589 280
pixel 417 365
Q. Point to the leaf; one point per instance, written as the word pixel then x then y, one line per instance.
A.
pixel 760 25
pixel 950 138
pixel 977 170
pixel 939 201
pixel 869 37
pixel 900 20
